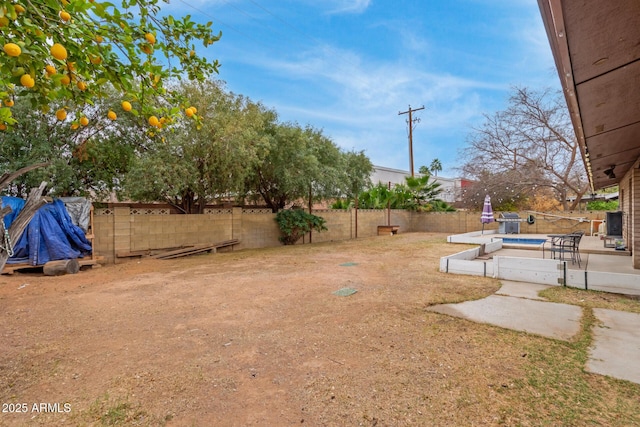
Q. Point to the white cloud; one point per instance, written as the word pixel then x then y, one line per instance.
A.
pixel 356 98
pixel 357 101
pixel 354 73
pixel 347 6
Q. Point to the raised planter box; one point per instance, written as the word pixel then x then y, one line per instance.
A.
pixel 385 230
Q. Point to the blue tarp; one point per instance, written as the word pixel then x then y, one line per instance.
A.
pixel 50 236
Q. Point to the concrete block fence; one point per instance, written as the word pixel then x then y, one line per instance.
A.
pixel 126 229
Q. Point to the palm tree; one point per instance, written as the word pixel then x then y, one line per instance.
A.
pixel 435 167
pixel 423 190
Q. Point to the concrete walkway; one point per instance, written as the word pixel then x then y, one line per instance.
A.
pixel 616 345
pixel 517 305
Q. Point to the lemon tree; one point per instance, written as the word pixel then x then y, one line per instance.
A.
pixel 53 51
pixel 85 156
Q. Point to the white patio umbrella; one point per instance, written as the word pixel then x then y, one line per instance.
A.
pixel 487 212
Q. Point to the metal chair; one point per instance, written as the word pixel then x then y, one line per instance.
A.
pixel 567 244
pixel 576 237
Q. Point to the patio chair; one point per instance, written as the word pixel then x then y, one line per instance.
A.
pixel 567 245
pixel 575 241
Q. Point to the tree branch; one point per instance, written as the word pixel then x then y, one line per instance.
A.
pixel 6 178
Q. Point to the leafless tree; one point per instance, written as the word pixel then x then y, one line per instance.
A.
pixel 531 145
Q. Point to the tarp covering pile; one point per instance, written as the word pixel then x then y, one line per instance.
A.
pixel 51 234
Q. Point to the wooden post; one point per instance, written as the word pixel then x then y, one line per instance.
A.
pixel 389 206
pixel 356 216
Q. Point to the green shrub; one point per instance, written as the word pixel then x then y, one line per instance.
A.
pixel 342 204
pixel 601 205
pixel 295 223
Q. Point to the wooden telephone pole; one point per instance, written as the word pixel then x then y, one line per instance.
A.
pixel 411 121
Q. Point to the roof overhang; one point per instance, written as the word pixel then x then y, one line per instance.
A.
pixel 596 48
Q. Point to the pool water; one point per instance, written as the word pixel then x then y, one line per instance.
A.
pixel 522 241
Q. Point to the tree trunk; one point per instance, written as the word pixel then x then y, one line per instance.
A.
pixel 58 268
pixel 6 178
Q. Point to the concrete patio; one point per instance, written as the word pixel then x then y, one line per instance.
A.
pixel 601 268
pixel 526 269
pixel 594 256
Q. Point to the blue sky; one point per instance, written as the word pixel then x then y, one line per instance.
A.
pixel 349 67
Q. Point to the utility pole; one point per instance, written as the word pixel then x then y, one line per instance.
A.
pixel 410 122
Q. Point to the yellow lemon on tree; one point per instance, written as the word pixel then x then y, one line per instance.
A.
pixel 61 114
pixel 98 39
pixel 27 81
pixel 19 8
pixel 9 102
pixel 12 49
pixel 84 121
pixel 189 112
pixel 75 126
pixel 82 86
pixel 65 80
pixel 4 21
pixel 153 121
pixel 195 110
pixel 64 15
pixel 150 38
pixel 126 105
pixel 50 69
pixel 112 115
pixel 95 59
pixel 58 51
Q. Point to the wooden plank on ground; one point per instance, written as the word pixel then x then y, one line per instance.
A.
pixel 195 249
pixel 149 252
pixel 140 253
pixel 11 268
pixel 93 262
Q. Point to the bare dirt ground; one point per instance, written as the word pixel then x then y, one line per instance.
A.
pixel 258 337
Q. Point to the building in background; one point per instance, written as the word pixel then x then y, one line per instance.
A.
pixel 451 187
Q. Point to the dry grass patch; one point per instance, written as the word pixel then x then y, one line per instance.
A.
pixel 257 337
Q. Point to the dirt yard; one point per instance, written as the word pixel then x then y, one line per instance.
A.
pixel 258 337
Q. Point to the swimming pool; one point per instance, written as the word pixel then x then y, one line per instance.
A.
pixel 522 241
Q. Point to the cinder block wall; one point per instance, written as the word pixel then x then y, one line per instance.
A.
pixel 166 231
pixel 255 228
pixel 103 234
pixel 123 230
